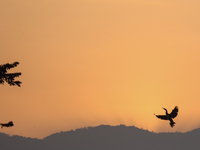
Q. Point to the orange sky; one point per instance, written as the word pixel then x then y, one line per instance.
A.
pixel 91 62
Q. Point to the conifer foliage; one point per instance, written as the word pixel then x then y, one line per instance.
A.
pixel 9 77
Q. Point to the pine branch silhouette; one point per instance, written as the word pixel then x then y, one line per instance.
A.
pixel 9 77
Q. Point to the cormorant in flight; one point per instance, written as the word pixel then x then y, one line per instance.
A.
pixel 170 116
pixel 9 124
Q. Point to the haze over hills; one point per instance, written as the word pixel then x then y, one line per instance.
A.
pixel 105 137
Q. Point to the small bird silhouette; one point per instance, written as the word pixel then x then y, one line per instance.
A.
pixel 9 124
pixel 170 116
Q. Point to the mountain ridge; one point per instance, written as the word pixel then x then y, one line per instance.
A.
pixel 105 137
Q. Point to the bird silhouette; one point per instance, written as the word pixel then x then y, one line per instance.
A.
pixel 9 124
pixel 170 116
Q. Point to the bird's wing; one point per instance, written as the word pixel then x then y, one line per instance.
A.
pixel 174 112
pixel 163 117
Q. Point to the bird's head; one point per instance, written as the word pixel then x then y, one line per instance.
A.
pixel 165 109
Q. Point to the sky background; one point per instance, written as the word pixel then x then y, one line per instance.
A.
pixel 91 62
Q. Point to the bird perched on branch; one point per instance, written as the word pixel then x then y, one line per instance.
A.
pixel 170 116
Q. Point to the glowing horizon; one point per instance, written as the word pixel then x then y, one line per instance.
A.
pixel 100 62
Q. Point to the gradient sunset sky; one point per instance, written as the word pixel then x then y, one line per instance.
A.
pixel 91 62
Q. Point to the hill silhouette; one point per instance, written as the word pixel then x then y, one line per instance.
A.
pixel 105 137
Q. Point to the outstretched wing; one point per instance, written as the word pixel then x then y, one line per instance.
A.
pixel 174 112
pixel 163 117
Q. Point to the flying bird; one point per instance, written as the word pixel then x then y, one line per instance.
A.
pixel 170 116
pixel 9 124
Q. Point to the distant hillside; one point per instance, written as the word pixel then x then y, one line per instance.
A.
pixel 105 137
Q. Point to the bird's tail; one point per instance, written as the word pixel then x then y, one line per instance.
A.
pixel 172 123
